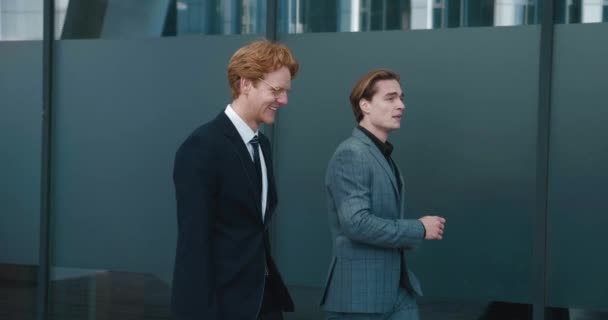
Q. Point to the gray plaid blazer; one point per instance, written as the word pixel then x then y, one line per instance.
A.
pixel 368 229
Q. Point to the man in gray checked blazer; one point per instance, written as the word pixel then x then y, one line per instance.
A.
pixel 368 276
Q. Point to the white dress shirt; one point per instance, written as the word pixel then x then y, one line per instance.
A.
pixel 247 134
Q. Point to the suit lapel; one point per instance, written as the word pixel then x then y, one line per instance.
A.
pixel 239 147
pixel 379 158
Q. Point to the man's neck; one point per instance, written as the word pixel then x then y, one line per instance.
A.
pixel 240 108
pixel 380 134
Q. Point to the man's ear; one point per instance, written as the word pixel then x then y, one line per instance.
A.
pixel 364 105
pixel 245 85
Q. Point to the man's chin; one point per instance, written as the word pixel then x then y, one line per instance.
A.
pixel 268 121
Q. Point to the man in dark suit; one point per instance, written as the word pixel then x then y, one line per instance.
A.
pixel 226 196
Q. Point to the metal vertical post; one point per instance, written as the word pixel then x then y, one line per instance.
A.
pixel 542 164
pixel 45 183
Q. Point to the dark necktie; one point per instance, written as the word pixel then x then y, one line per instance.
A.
pixel 255 142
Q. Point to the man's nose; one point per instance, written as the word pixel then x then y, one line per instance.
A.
pixel 282 98
pixel 401 105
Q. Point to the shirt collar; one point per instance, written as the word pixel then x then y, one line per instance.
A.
pixel 385 148
pixel 244 130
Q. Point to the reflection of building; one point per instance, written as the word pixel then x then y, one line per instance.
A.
pixel 514 12
pixel 298 16
pixel 22 19
pixel 592 10
pixel 368 15
pixel 221 17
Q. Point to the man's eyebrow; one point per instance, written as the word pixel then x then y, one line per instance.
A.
pixel 283 88
pixel 393 94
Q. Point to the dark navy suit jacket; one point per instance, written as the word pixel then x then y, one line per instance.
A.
pixel 223 249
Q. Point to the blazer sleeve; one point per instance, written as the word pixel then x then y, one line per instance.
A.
pixel 349 180
pixel 195 184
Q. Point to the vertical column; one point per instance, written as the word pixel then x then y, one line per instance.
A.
pixel 45 185
pixel 542 164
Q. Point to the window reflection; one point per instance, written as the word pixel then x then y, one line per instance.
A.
pixel 61 8
pixel 298 16
pixel 593 11
pixel 582 11
pixel 20 19
pixel 221 16
pixel 80 19
pixel 23 19
pixel 515 12
pixel 77 293
pixel 585 314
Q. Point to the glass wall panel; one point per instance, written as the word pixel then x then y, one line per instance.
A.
pixel 299 16
pixel 467 149
pixel 578 170
pixel 20 141
pixel 80 19
pixel 581 11
pixel 119 121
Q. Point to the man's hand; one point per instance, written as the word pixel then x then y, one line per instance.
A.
pixel 434 226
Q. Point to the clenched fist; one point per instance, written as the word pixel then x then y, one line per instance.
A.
pixel 434 226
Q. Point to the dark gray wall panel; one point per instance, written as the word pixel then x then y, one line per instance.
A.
pixel 466 148
pixel 578 175
pixel 20 142
pixel 122 109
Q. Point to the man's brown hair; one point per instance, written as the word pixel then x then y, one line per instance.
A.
pixel 257 58
pixel 366 88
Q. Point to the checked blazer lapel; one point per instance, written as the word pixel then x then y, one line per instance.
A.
pixel 379 158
